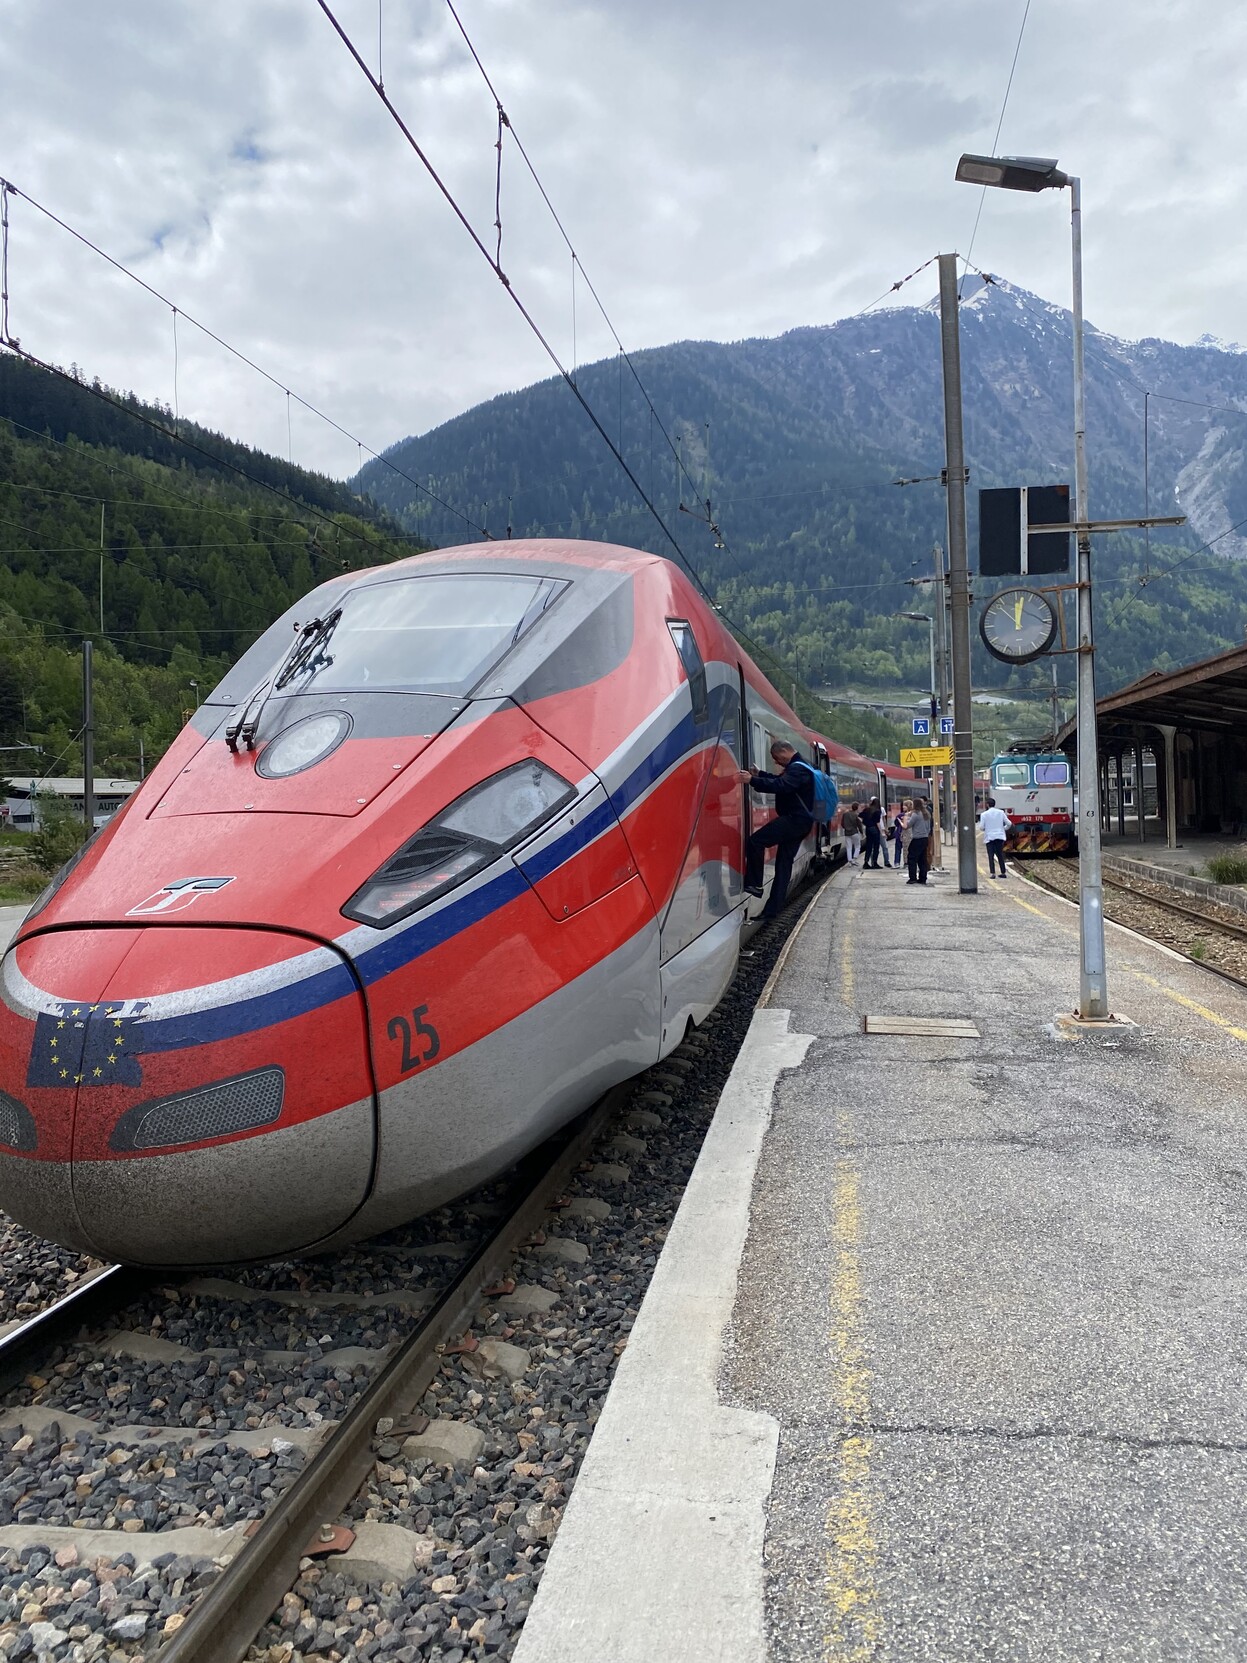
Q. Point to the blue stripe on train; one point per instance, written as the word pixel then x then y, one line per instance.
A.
pixel 394 952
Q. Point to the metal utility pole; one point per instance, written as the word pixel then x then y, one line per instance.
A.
pixel 88 741
pixel 958 575
pixel 1093 976
pixel 940 608
pixel 101 568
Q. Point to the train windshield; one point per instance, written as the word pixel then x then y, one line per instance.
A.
pixel 435 634
pixel 1052 773
pixel 1012 773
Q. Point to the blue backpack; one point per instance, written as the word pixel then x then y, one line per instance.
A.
pixel 826 797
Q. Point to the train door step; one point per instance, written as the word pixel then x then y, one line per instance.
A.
pixel 928 1027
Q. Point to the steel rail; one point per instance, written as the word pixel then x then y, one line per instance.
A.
pixel 1170 906
pixel 222 1626
pixel 1200 917
pixel 92 1302
pixel 1178 907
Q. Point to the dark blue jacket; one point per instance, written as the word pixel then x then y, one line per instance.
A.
pixel 793 790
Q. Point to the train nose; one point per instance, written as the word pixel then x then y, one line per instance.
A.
pixel 183 1095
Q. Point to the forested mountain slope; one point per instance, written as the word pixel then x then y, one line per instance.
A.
pixel 197 560
pixel 797 441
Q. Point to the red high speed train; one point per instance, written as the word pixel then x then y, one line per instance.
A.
pixel 455 846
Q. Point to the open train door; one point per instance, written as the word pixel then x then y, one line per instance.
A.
pixel 822 827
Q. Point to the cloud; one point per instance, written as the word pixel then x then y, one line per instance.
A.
pixel 722 170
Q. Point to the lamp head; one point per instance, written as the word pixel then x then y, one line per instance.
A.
pixel 1012 173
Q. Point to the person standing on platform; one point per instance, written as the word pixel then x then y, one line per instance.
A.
pixel 793 790
pixel 897 833
pixel 851 826
pixel 872 820
pixel 994 823
pixel 919 836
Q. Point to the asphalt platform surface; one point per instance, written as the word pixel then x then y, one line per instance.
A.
pixel 985 1343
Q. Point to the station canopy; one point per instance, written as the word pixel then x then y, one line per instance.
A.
pixel 1210 694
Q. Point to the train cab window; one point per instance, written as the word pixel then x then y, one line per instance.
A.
pixel 694 668
pixel 1012 773
pixel 437 634
pixel 1052 773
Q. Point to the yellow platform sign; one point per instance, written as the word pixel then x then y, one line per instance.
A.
pixel 928 756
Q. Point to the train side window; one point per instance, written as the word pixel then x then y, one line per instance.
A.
pixel 1052 773
pixel 694 668
pixel 1012 773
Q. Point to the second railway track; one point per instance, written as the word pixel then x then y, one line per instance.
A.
pixel 1203 935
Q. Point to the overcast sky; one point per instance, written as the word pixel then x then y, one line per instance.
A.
pixel 724 168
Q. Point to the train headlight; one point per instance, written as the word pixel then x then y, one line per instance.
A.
pixel 477 827
pixel 303 744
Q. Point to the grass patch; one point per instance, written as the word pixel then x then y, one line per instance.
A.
pixel 1197 949
pixel 21 886
pixel 1229 868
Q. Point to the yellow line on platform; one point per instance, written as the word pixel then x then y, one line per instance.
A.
pixel 1212 1016
pixel 846 967
pixel 854 1632
pixel 855 1624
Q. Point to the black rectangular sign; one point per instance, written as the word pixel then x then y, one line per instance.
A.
pixel 1003 551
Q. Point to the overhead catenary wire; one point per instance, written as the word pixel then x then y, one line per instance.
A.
pixel 1004 105
pixel 539 335
pixel 300 507
pixel 7 188
pixel 1144 579
pixel 577 263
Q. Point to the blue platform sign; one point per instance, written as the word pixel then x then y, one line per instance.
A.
pixel 946 724
pixel 922 727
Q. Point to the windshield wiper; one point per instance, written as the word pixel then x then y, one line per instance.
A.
pixel 244 724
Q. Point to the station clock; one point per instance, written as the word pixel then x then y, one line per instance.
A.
pixel 1018 625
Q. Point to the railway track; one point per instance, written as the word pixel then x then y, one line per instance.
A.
pixel 173 1450
pixel 1214 942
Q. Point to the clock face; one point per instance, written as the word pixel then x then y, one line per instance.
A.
pixel 1018 625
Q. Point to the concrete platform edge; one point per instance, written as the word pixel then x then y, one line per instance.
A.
pixel 660 1550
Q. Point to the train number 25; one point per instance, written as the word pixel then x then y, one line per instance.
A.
pixel 407 1029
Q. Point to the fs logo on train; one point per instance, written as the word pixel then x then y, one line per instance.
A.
pixel 177 896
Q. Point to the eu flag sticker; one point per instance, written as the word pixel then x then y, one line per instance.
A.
pixel 86 1045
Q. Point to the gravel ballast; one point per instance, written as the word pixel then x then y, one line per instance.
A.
pixel 263 1363
pixel 482 1534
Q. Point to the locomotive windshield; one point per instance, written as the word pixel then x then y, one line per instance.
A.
pixel 1012 773
pixel 435 634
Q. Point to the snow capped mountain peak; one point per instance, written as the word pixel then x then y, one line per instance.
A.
pixel 1218 345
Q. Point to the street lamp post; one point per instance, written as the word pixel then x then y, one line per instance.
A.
pixel 1033 173
pixel 926 618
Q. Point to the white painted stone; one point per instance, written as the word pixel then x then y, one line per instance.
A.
pixel 645 1119
pixel 624 1145
pixel 498 1358
pixel 527 1300
pixel 660 1550
pixel 379 1553
pixel 563 1249
pixel 453 1443
pixel 609 1172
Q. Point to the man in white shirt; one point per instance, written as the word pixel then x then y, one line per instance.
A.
pixel 994 824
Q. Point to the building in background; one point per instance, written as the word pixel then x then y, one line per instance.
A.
pixel 22 802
